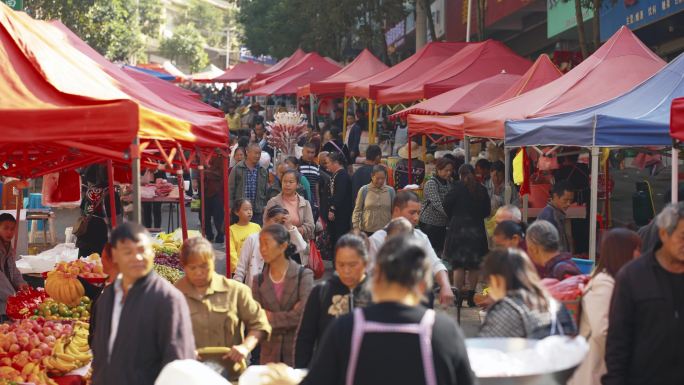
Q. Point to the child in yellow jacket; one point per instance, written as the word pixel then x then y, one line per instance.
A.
pixel 241 230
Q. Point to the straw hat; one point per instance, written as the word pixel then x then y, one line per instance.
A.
pixel 416 150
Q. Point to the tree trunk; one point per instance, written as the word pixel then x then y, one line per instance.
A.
pixel 597 23
pixel 430 20
pixel 580 28
pixel 421 27
pixel 481 9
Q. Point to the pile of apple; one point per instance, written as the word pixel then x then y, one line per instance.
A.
pixel 90 267
pixel 24 343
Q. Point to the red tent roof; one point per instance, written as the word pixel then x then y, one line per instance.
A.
pixel 281 65
pixel 420 62
pixel 543 71
pixel 177 96
pixel 290 85
pixel 48 120
pixel 463 99
pixel 240 72
pixel 620 64
pixel 309 62
pixel 435 125
pixel 475 62
pixel 159 119
pixel 677 119
pixel 363 66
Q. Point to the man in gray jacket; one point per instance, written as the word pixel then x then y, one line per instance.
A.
pixel 249 180
pixel 142 322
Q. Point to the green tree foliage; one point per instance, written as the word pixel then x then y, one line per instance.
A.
pixel 329 27
pixel 115 28
pixel 186 46
pixel 150 17
pixel 72 13
pixel 209 20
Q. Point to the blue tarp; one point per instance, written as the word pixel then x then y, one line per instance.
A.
pixel 156 74
pixel 641 117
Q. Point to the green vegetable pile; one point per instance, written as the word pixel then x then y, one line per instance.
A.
pixel 168 273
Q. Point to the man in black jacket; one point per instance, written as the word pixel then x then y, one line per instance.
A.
pixel 646 332
pixel 142 321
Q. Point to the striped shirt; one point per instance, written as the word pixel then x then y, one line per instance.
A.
pixel 312 173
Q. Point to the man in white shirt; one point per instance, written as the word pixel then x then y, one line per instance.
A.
pixel 407 205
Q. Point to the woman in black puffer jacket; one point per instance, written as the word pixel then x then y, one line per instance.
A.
pixel 339 295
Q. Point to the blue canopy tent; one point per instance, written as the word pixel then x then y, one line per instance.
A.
pixel 156 74
pixel 641 117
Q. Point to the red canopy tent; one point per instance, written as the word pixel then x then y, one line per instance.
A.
pixel 435 125
pixel 677 119
pixel 240 72
pixel 290 84
pixel 475 62
pixel 543 71
pixel 463 99
pixel 425 59
pixel 620 64
pixel 311 62
pixel 177 96
pixel 49 121
pixel 363 66
pixel 159 119
pixel 281 66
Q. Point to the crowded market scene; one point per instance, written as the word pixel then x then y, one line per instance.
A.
pixel 318 192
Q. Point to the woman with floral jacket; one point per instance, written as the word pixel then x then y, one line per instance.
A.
pixel 337 296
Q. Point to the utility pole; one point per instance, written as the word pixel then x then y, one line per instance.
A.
pixel 227 47
pixel 421 24
pixel 470 7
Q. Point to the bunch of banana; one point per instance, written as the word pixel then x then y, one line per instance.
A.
pixel 70 355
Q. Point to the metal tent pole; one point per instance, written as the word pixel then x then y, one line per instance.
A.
pixel 181 203
pixel 344 118
pixel 112 196
pixel 507 164
pixel 593 202
pixel 226 210
pixel 674 182
pixel 135 170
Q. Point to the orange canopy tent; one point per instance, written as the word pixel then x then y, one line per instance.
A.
pixel 620 64
pixel 473 63
pixel 363 66
pixel 422 61
pixel 240 72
